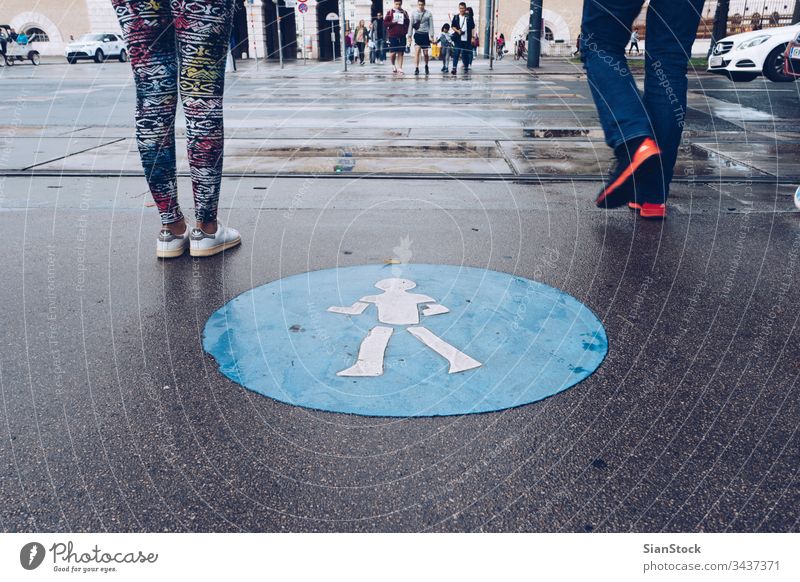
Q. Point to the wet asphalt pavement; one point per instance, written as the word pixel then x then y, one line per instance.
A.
pixel 113 418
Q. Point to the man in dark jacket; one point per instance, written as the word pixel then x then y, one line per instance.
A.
pixel 379 37
pixel 462 27
pixel 397 22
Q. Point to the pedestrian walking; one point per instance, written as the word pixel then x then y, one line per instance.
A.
pixel 397 24
pixel 349 51
pixel 462 26
pixel 476 41
pixel 171 45
pixel 373 54
pixel 379 37
pixel 643 129
pixel 501 45
pixel 634 41
pixel 446 47
pixel 360 36
pixel 422 25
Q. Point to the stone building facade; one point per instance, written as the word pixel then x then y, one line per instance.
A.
pixel 308 34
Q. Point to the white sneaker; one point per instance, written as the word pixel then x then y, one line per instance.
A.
pixel 204 245
pixel 171 245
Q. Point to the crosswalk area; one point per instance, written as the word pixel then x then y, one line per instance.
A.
pixel 500 124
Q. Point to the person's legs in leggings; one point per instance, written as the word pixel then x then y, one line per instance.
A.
pixel 150 39
pixel 202 28
pixel 671 30
pixel 606 28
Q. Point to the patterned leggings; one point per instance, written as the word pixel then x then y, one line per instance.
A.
pixel 179 44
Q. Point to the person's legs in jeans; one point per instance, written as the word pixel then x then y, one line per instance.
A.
pixel 671 30
pixel 202 28
pixel 623 115
pixel 150 39
pixel 606 28
pixel 462 51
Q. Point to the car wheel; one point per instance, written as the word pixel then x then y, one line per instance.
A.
pixel 34 57
pixel 72 60
pixel 738 77
pixel 99 56
pixel 123 56
pixel 773 66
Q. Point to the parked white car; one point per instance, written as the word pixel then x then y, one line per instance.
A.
pixel 97 46
pixel 745 56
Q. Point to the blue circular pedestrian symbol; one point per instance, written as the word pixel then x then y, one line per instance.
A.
pixel 406 340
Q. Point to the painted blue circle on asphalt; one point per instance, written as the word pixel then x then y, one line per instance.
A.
pixel 511 341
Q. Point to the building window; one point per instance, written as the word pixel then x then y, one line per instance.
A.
pixel 548 34
pixel 37 35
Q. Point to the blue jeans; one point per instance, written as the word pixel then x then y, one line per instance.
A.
pixel 624 112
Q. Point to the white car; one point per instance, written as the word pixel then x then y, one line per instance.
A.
pixel 97 46
pixel 743 57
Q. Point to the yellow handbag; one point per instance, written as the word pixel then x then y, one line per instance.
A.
pixel 436 50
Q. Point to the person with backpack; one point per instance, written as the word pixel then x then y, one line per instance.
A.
pixel 462 27
pixel 422 25
pixel 397 23
pixel 171 45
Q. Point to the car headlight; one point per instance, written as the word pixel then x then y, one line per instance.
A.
pixel 750 43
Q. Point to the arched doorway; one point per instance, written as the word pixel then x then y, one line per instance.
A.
pixel 35 34
pixel 288 30
pixel 325 28
pixel 555 27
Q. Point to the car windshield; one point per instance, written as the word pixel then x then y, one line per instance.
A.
pixel 92 37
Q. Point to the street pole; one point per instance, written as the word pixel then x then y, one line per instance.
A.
pixel 720 28
pixel 494 27
pixel 253 30
pixel 535 34
pixel 280 36
pixel 490 41
pixel 341 34
pixel 488 16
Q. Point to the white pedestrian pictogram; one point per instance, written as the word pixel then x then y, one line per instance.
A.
pixel 396 306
